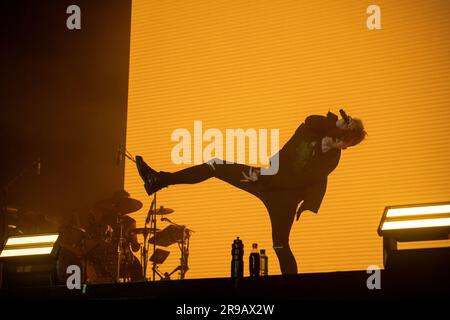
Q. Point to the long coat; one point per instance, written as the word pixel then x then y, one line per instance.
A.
pixel 303 167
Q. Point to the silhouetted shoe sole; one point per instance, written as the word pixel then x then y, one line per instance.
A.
pixel 147 175
pixel 142 168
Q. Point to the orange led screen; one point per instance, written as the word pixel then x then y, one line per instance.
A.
pixel 268 65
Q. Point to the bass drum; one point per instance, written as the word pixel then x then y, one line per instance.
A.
pixel 101 263
pixel 70 253
pixel 65 259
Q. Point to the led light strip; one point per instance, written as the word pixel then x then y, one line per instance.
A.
pixel 414 211
pixel 413 224
pixel 26 252
pixel 32 239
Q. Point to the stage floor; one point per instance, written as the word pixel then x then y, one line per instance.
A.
pixel 423 274
pixel 398 284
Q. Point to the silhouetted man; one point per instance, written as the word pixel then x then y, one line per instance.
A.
pixel 305 162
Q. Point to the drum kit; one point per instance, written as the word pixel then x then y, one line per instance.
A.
pixel 105 241
pixel 111 241
pixel 106 246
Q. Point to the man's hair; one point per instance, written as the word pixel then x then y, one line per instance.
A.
pixel 356 134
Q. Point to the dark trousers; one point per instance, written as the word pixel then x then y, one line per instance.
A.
pixel 281 204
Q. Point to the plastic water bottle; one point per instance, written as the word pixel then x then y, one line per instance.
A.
pixel 264 263
pixel 254 263
pixel 237 262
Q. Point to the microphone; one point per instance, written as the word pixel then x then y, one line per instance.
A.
pixel 344 116
pixel 38 166
pixel 169 221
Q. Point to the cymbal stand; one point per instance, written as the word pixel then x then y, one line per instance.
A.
pixel 144 254
pixel 184 253
pixel 183 267
pixel 146 244
pixel 151 218
pixel 183 245
pixel 165 276
pixel 119 249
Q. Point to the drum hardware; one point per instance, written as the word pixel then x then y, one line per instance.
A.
pixel 73 251
pixel 144 249
pixel 173 233
pixel 142 231
pixel 120 243
pixel 117 206
pixel 161 211
pixel 114 217
pixel 158 257
pixel 151 218
pixel 153 212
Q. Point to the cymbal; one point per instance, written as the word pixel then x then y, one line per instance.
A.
pixel 120 206
pixel 161 211
pixel 114 219
pixel 143 230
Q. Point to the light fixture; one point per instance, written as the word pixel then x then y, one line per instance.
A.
pixel 29 245
pixel 410 223
pixel 27 259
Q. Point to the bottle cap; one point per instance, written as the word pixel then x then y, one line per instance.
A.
pixel 254 245
pixel 263 251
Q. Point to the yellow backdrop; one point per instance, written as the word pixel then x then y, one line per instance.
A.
pixel 269 64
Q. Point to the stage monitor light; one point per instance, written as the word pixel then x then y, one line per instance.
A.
pixel 411 223
pixel 29 245
pixel 29 260
pixel 416 222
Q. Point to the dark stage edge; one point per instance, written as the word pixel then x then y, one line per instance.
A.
pixel 399 284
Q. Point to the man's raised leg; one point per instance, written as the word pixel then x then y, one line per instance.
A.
pixel 228 172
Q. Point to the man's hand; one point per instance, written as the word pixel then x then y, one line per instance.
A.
pixel 252 176
pixel 327 144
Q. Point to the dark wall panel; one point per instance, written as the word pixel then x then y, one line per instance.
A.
pixel 63 99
